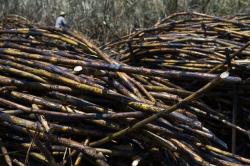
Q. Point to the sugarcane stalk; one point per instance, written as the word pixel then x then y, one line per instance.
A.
pixel 216 150
pixel 18 163
pixel 125 68
pixel 4 150
pixel 46 153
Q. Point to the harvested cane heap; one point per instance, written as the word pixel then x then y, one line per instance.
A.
pixel 109 112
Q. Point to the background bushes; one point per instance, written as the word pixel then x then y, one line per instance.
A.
pixel 104 20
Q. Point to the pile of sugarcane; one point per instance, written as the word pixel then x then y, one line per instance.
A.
pixel 63 101
pixel 197 43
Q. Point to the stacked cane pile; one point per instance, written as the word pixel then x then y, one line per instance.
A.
pixel 65 102
pixel 201 44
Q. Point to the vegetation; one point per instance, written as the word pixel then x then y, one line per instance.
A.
pixel 106 19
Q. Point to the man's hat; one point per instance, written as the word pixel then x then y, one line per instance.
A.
pixel 62 13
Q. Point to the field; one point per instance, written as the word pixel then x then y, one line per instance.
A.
pixel 106 20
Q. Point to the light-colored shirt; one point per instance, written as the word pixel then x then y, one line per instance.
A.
pixel 60 22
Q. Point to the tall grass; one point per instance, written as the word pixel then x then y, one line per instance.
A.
pixel 106 19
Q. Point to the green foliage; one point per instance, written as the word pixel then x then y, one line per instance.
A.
pixel 107 19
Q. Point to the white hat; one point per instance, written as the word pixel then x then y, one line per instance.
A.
pixel 62 13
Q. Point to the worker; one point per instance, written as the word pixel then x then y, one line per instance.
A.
pixel 60 21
